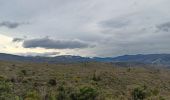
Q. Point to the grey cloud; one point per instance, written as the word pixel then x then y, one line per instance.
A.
pixel 157 43
pixel 10 24
pixel 17 40
pixel 114 23
pixel 164 27
pixel 54 44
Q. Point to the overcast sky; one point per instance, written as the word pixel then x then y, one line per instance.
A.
pixel 102 28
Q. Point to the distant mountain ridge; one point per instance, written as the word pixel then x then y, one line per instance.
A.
pixel 148 58
pixel 57 59
pixel 140 58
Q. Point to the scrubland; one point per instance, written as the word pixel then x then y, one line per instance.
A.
pixel 82 81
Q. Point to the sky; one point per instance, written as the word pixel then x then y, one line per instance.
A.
pixel 102 28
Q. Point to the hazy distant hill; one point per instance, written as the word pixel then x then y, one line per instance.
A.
pixel 149 59
pixel 57 59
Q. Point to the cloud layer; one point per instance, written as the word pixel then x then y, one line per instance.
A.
pixel 164 27
pixel 116 27
pixel 54 44
pixel 10 25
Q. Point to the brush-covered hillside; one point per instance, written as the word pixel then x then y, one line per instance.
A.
pixel 82 81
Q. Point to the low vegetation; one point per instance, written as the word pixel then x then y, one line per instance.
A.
pixel 82 81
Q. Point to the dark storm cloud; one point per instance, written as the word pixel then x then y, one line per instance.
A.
pixel 54 44
pixel 164 27
pixel 10 24
pixel 17 40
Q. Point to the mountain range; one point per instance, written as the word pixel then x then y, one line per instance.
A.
pixel 163 59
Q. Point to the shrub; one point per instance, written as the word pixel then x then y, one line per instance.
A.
pixel 62 93
pixel 85 93
pixel 52 82
pixel 5 87
pixel 155 92
pixel 2 78
pixel 88 93
pixel 32 95
pixel 13 80
pixel 24 72
pixel 139 94
pixel 129 69
pixel 13 65
pixel 7 96
pixel 96 77
pixel 161 98
pixel 50 96
pixel 6 91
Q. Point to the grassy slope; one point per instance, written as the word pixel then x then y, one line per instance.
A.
pixel 111 82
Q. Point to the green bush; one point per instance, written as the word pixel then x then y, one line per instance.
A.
pixel 85 93
pixel 2 78
pixel 62 93
pixel 139 94
pixel 155 92
pixel 22 73
pixel 5 87
pixel 50 96
pixel 6 90
pixel 161 98
pixel 32 95
pixel 143 92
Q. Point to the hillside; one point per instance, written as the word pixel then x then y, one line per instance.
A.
pixel 82 81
